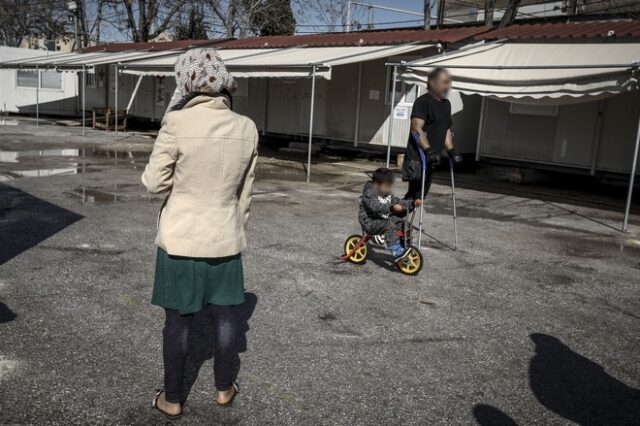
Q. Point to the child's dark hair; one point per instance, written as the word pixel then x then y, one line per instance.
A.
pixel 382 175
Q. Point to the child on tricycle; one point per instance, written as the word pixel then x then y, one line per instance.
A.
pixel 384 220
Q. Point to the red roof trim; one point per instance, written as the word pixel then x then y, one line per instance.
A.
pixel 161 45
pixel 591 29
pixel 358 38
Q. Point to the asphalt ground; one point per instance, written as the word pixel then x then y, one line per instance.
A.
pixel 534 319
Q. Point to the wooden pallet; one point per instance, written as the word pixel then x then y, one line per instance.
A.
pixel 104 118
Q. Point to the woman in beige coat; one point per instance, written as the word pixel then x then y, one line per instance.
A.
pixel 204 158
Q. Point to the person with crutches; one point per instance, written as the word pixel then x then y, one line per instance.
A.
pixel 430 133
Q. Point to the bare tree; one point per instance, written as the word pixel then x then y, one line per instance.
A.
pixel 510 13
pixel 327 15
pixel 153 17
pixel 489 7
pixel 24 18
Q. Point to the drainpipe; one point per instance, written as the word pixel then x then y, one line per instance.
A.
pixel 115 124
pixel 356 132
pixel 313 95
pixel 84 89
pixel 631 179
pixel 37 96
pixel 596 138
pixel 393 102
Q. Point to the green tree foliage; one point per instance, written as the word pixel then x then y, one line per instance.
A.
pixel 273 17
pixel 193 28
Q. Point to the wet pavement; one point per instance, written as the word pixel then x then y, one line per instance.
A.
pixel 534 319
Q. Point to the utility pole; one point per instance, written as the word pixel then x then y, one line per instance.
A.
pixel 427 14
pixel 489 6
pixel 72 8
pixel 510 13
pixel 572 7
pixel 441 6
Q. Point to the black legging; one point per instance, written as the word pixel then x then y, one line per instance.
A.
pixel 175 346
pixel 414 190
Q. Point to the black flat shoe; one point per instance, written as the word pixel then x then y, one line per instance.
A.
pixel 236 391
pixel 154 404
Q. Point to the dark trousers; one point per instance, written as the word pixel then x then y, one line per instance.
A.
pixel 387 227
pixel 176 342
pixel 414 191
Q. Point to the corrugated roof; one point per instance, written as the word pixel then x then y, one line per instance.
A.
pixel 161 45
pixel 564 30
pixel 358 38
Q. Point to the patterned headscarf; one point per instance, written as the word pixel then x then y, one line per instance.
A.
pixel 202 70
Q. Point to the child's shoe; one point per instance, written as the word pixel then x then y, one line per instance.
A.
pixel 380 240
pixel 399 253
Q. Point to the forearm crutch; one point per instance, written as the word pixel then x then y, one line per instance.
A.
pixel 423 161
pixel 453 198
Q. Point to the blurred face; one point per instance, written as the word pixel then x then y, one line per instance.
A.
pixel 440 85
pixel 384 188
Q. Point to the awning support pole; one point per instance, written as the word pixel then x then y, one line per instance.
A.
pixel 313 96
pixel 133 94
pixel 483 106
pixel 37 96
pixel 115 124
pixel 356 130
pixel 84 89
pixel 632 179
pixel 393 102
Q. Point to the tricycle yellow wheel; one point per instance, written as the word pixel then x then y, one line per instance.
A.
pixel 358 254
pixel 412 264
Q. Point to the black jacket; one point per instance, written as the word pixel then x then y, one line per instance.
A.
pixel 374 206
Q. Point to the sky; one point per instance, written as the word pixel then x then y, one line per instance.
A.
pixel 383 16
pixel 309 23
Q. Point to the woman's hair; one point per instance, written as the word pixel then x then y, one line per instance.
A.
pixel 382 175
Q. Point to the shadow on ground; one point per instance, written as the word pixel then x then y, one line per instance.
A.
pixel 577 388
pixel 25 221
pixel 6 314
pixel 486 415
pixel 573 387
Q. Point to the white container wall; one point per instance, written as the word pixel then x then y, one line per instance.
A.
pixel 57 94
pixel 597 135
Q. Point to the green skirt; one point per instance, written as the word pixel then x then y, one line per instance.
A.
pixel 189 284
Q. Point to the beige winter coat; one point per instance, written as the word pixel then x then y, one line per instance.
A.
pixel 205 156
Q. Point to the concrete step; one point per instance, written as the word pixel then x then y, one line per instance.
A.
pixel 293 152
pixel 304 146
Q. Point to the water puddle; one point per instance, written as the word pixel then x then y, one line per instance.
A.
pixel 15 174
pixel 115 193
pixel 93 196
pixel 280 176
pixel 64 161
pixel 15 156
pixel 593 247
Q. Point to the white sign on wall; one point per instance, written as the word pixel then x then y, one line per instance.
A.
pixel 374 95
pixel 401 113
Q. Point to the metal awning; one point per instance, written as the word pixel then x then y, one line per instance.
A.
pixel 279 63
pixel 79 61
pixel 557 72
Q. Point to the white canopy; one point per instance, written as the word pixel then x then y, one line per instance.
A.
pixel 279 63
pixel 558 72
pixel 76 61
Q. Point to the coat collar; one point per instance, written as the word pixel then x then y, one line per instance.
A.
pixel 215 102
